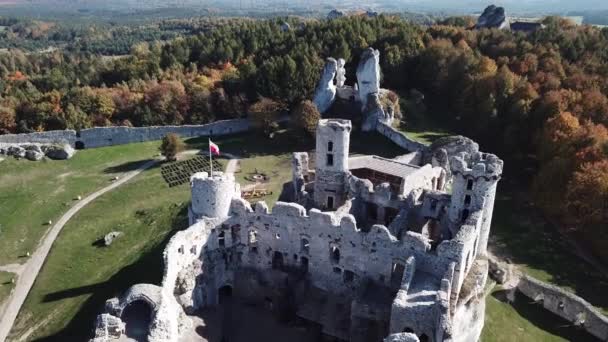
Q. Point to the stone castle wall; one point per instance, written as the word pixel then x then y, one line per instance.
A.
pixel 67 136
pixel 566 305
pixel 110 136
pixel 399 138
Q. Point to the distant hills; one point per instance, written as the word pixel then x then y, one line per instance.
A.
pixel 597 9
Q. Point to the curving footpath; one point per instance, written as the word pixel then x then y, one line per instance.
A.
pixel 30 270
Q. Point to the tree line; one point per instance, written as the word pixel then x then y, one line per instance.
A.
pixel 542 94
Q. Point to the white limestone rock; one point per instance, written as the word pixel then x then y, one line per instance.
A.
pixel 368 75
pixel 325 94
pixel 341 73
pixel 110 237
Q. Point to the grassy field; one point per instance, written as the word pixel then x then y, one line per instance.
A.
pixel 525 321
pixel 6 285
pixel 79 274
pixel 32 193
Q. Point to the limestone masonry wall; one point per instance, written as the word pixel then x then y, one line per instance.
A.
pixel 109 136
pixel 399 138
pixel 566 305
pixel 68 136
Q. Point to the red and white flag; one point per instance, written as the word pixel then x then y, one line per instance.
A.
pixel 213 148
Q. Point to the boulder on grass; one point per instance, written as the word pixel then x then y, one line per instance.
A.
pixel 16 151
pixel 109 238
pixel 60 152
pixel 33 155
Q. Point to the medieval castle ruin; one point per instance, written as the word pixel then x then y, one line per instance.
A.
pixel 368 248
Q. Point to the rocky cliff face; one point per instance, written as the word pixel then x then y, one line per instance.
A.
pixel 368 75
pixel 325 94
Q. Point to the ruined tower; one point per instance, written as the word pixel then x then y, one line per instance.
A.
pixel 333 141
pixel 212 195
pixel 474 188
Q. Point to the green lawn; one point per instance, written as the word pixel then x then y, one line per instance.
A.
pixel 79 274
pixel 525 321
pixel 417 123
pixel 32 193
pixel 6 285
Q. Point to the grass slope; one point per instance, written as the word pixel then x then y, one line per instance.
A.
pixel 521 233
pixel 6 286
pixel 79 275
pixel 32 193
pixel 525 321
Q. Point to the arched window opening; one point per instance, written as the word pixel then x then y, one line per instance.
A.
pixel 470 184
pixel 465 214
pixel 224 293
pixel 330 159
pixel 304 246
pixel 221 239
pixel 277 260
pixel 304 264
pixel 397 275
pixel 423 338
pixel 253 237
pixel 348 276
pixel 137 317
pixel 335 255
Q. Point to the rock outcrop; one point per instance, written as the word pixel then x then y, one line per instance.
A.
pixel 368 75
pixel 493 17
pixel 60 152
pixel 325 94
pixel 110 237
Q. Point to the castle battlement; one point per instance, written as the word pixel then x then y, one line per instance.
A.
pixel 477 165
pixel 334 248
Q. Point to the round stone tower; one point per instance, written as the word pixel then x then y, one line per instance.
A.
pixel 212 196
pixel 333 143
pixel 474 180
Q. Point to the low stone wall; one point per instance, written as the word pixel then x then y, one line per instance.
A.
pixel 109 136
pixel 399 138
pixel 67 136
pixel 566 305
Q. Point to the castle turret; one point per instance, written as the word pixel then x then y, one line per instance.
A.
pixel 212 195
pixel 474 189
pixel 333 141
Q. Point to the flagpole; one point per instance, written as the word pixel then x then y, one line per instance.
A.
pixel 210 159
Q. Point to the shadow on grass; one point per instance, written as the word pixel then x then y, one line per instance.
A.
pixel 128 166
pixel 253 144
pixel 543 319
pixel 147 269
pixel 520 232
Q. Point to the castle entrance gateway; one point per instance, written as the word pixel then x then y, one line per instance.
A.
pixel 137 317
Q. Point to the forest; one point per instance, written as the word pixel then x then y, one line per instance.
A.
pixel 539 97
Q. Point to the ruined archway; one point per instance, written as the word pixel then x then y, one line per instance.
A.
pixel 137 317
pixel 224 294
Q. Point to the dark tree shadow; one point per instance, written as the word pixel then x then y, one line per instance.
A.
pixel 544 319
pixel 128 166
pixel 147 269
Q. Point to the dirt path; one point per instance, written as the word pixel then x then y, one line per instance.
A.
pixel 30 269
pixel 232 163
pixel 28 272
